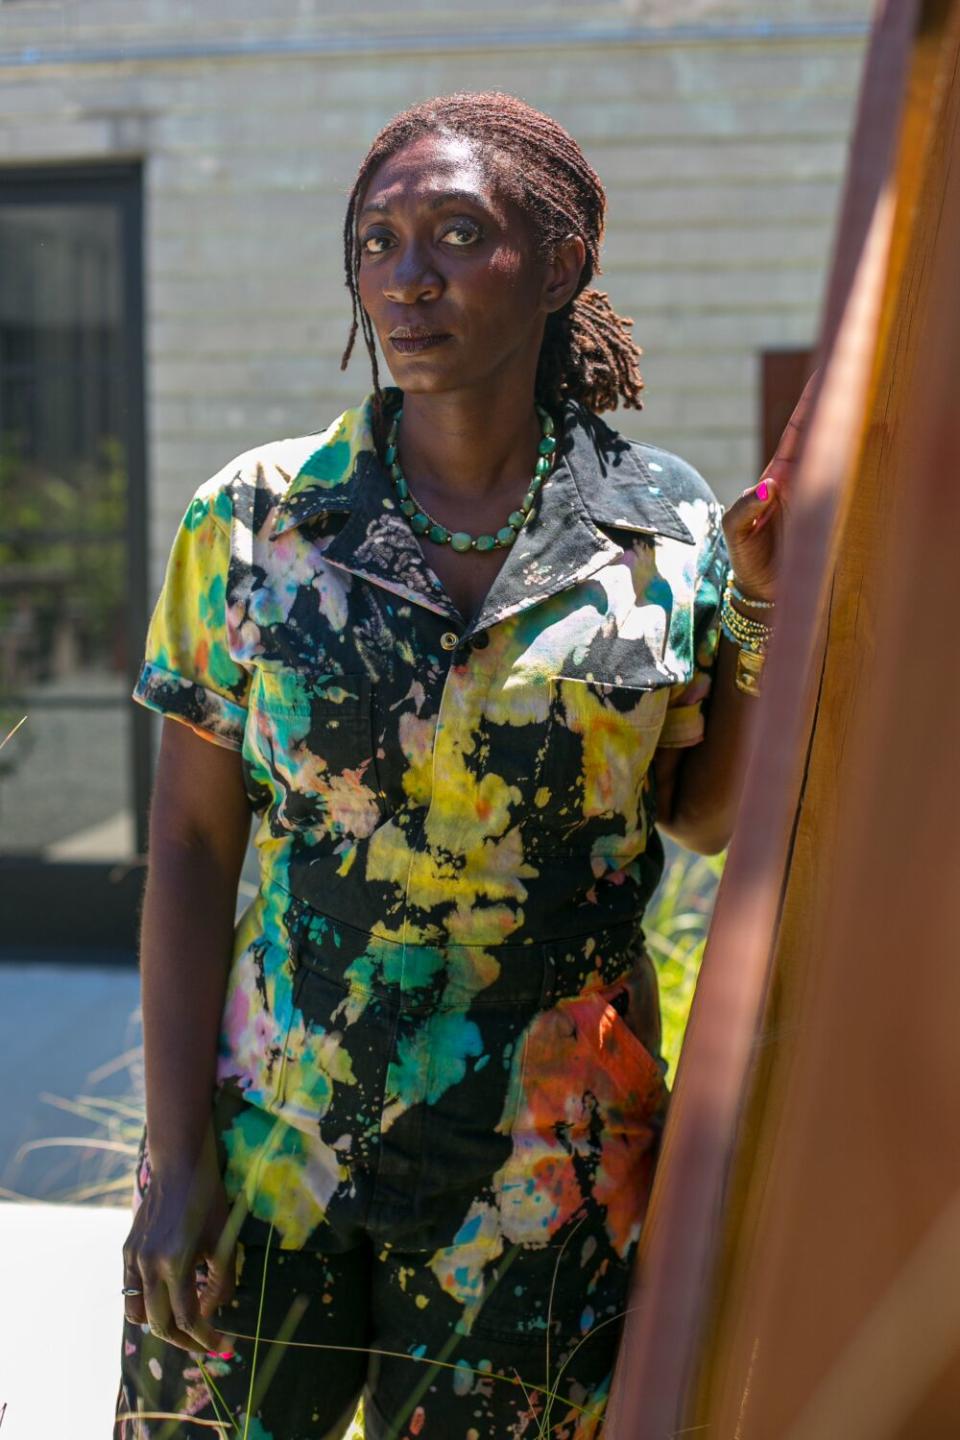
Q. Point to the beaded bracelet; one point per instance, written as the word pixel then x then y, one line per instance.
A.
pixel 746 633
pixel 737 594
pixel 750 636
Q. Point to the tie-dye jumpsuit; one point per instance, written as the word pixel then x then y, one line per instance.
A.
pixel 439 1088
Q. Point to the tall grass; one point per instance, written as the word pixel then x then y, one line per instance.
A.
pixel 676 929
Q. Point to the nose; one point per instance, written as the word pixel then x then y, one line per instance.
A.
pixel 412 276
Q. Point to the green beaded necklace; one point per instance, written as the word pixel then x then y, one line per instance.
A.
pixel 423 524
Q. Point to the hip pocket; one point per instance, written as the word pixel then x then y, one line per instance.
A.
pixel 591 1108
pixel 334 1065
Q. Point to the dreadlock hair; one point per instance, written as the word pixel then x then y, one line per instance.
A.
pixel 587 353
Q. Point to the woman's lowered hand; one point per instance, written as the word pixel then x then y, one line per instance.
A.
pixel 182 1220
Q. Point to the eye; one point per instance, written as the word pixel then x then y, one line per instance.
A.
pixel 461 233
pixel 375 243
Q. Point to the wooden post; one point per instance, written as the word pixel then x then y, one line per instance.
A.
pixel 801 1239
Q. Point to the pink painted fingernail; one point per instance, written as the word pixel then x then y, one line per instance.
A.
pixel 762 491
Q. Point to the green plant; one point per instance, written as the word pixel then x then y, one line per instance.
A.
pixel 63 542
pixel 676 926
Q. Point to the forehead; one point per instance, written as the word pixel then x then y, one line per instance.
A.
pixel 430 166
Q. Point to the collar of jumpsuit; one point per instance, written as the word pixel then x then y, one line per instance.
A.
pixel 599 480
pixel 452 813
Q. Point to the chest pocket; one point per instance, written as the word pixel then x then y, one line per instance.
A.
pixel 599 744
pixel 309 739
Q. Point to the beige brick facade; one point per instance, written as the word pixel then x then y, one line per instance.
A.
pixel 719 127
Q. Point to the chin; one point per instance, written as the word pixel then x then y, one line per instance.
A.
pixel 426 380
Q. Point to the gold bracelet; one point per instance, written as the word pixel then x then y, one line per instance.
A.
pixel 737 594
pixel 750 636
pixel 749 672
pixel 747 633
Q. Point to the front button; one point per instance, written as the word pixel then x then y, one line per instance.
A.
pixel 480 641
pixel 449 640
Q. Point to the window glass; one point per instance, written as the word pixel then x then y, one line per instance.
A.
pixel 65 775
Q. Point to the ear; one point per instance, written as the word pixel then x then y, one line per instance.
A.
pixel 563 273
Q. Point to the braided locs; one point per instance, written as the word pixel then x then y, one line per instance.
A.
pixel 587 353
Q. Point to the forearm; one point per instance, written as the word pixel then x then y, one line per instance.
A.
pixel 709 779
pixel 186 943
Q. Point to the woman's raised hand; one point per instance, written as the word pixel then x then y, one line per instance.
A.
pixel 181 1221
pixel 753 524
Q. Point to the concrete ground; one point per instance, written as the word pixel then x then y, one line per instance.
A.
pixel 60 1320
pixel 62 1030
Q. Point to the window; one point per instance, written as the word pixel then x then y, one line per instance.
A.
pixel 71 533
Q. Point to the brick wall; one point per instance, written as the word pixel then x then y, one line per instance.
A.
pixel 722 149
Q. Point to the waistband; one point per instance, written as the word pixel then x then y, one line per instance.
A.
pixel 419 977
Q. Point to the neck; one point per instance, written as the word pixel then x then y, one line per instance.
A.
pixel 469 443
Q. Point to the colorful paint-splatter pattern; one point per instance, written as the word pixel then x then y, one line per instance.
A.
pixel 438 1058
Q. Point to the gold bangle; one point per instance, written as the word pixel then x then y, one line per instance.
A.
pixel 742 630
pixel 749 672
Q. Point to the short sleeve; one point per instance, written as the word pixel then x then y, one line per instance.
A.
pixel 684 723
pixel 188 671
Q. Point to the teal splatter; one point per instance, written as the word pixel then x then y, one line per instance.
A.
pixel 328 465
pixel 410 966
pixel 196 514
pixel 223 505
pixel 660 592
pixel 213 603
pixel 222 669
pixel 434 1059
pixel 254 1430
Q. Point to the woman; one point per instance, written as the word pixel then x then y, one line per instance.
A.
pixel 455 652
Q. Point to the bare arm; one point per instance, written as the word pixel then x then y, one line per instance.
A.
pixel 199 824
pixel 698 789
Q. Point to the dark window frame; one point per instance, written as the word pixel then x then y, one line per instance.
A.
pixel 86 911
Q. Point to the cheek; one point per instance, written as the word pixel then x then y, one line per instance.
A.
pixel 509 269
pixel 508 287
pixel 365 288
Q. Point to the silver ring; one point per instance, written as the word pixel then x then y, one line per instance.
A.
pixel 131 1290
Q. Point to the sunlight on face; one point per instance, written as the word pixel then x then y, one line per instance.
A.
pixel 450 274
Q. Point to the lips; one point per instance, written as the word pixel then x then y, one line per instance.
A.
pixel 411 339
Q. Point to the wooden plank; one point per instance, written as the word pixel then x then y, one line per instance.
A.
pixel 838 1308
pixel 690 1355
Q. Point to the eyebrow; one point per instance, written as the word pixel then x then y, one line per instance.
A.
pixel 436 202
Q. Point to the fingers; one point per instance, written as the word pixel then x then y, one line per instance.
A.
pixel 220 1280
pixel 753 510
pixel 788 447
pixel 173 1313
pixel 185 1305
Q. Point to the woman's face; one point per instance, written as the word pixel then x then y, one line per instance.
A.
pixel 449 271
